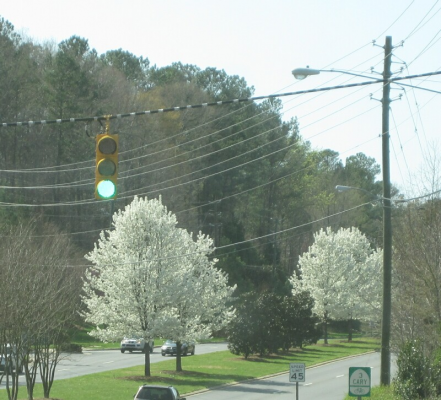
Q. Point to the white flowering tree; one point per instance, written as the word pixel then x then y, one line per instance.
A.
pixel 151 278
pixel 198 306
pixel 343 274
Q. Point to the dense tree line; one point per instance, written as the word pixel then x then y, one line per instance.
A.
pixel 236 172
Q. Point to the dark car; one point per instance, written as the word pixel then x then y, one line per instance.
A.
pixel 169 347
pixel 154 392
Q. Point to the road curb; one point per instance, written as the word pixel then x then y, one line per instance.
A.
pixel 276 374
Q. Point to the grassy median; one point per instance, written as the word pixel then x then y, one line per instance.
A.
pixel 200 372
pixel 379 393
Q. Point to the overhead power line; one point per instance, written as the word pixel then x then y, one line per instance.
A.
pixel 214 103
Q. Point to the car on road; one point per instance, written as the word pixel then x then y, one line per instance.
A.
pixel 156 392
pixel 133 343
pixel 9 361
pixel 169 347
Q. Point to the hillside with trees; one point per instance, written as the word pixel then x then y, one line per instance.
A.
pixel 236 173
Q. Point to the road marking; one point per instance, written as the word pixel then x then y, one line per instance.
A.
pixel 109 362
pixel 340 376
pixel 307 384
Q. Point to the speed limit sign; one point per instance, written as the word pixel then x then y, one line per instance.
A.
pixel 296 372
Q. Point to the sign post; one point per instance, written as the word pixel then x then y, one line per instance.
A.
pixel 297 374
pixel 360 382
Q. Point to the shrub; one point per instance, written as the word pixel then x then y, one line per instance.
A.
pixel 268 323
pixel 418 374
pixel 71 348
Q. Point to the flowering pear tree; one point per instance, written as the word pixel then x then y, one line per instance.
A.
pixel 151 278
pixel 342 273
pixel 199 305
pixel 362 297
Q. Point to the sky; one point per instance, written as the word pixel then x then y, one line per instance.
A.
pixel 264 40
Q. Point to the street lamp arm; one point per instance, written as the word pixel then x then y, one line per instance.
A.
pixel 342 71
pixel 342 188
pixel 302 73
pixel 419 87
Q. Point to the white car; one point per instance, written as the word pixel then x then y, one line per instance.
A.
pixel 136 344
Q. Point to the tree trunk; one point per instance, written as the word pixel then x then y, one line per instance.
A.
pixel 325 327
pixel 30 370
pixel 350 329
pixel 178 356
pixel 147 360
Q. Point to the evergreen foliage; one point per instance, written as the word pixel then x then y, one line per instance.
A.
pixel 269 323
pixel 237 173
pixel 234 172
pixel 419 372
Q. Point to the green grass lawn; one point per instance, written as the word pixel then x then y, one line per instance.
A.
pixel 379 393
pixel 80 335
pixel 200 372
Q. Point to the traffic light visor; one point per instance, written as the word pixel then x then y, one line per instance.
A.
pixel 106 167
pixel 107 145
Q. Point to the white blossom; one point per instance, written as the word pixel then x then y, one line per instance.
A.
pixel 151 278
pixel 343 274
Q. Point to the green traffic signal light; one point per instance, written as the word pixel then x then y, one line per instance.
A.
pixel 106 189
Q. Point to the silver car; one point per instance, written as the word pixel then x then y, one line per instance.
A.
pixel 136 344
pixel 155 392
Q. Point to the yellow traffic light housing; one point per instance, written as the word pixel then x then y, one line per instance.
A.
pixel 106 166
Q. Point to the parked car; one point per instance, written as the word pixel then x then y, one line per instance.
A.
pixel 9 361
pixel 131 343
pixel 154 392
pixel 169 347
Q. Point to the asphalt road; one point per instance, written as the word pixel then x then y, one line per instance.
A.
pixel 329 381
pixel 93 361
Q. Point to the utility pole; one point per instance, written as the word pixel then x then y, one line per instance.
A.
pixel 387 222
pixel 275 254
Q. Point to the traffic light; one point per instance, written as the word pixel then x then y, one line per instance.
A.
pixel 106 167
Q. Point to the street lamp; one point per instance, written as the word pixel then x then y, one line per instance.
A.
pixel 302 73
pixel 342 188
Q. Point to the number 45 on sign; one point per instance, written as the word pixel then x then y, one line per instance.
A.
pixel 296 372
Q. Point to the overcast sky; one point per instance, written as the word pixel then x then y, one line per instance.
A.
pixel 263 40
